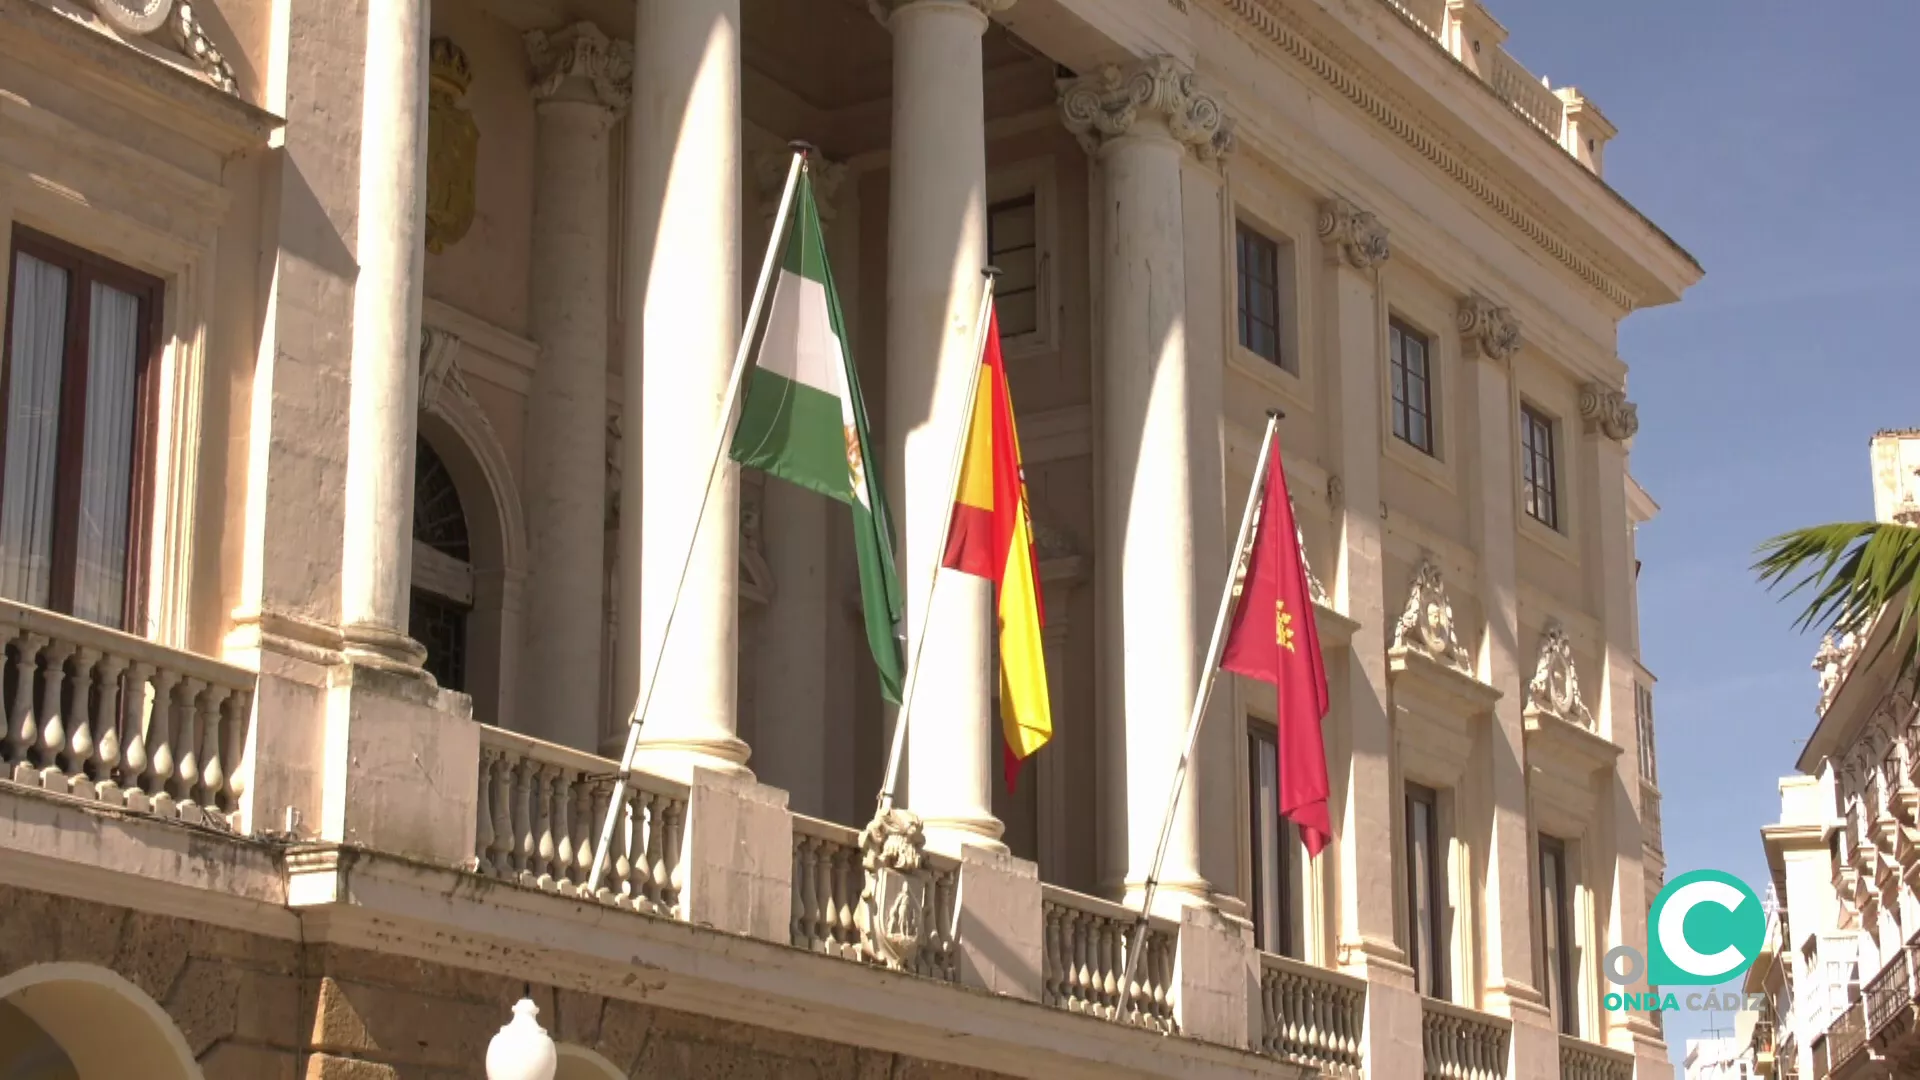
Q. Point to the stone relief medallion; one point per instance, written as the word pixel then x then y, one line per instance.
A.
pixel 453 148
pixel 1426 625
pixel 1555 689
pixel 893 903
pixel 139 17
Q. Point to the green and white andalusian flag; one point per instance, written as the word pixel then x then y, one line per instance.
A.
pixel 804 422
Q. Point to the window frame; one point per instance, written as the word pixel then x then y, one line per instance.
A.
pixel 1562 986
pixel 1029 197
pixel 1400 409
pixel 1283 847
pixel 1434 983
pixel 1534 424
pixel 85 269
pixel 1244 232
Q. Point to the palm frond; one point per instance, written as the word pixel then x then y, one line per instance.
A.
pixel 1853 570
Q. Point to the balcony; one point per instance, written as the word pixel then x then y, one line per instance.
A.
pixel 1461 1043
pixel 1582 1060
pixel 1313 1015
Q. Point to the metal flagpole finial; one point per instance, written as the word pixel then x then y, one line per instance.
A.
pixel 1275 412
pixel 803 147
pixel 989 271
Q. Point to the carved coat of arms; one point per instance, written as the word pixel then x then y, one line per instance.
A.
pixel 453 148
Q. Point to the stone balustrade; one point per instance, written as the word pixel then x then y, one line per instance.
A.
pixel 1463 1044
pixel 109 717
pixel 1527 94
pixel 1314 1015
pixel 1581 1060
pixel 538 819
pixel 829 892
pixel 1085 960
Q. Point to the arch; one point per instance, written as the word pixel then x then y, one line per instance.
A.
pixel 580 1063
pixel 106 1025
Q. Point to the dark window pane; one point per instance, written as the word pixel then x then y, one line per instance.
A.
pixel 440 624
pixel 1258 292
pixel 439 521
pixel 1538 467
pixel 1012 245
pixel 1412 397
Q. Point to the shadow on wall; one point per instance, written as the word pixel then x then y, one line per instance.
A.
pixel 27 1052
pixel 61 1021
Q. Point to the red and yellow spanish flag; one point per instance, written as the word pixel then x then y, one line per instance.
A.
pixel 992 537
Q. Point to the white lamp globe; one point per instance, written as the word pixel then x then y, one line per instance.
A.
pixel 522 1050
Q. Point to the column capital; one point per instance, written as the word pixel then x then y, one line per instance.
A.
pixel 770 178
pixel 1354 236
pixel 603 66
pixel 884 10
pixel 1105 104
pixel 1608 411
pixel 1487 330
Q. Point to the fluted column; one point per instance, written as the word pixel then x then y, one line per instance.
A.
pixel 390 248
pixel 683 324
pixel 936 245
pixel 1140 122
pixel 581 82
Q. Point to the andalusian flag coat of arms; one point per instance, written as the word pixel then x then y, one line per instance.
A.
pixel 804 422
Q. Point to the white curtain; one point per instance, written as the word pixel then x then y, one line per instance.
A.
pixel 33 430
pixel 106 472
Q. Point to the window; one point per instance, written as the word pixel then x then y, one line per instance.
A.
pixel 1259 294
pixel 1278 860
pixel 1556 935
pixel 442 596
pixel 1426 892
pixel 1536 467
pixel 78 427
pixel 1013 245
pixel 1643 714
pixel 1412 386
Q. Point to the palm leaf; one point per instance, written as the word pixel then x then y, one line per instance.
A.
pixel 1851 572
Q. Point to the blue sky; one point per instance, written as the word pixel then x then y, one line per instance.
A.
pixel 1774 143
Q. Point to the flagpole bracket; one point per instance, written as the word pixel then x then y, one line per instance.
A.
pixel 802 147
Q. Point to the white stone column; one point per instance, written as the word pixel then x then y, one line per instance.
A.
pixel 936 246
pixel 1140 122
pixel 581 81
pixel 390 248
pixel 683 324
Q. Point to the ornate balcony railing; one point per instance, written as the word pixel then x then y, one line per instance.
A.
pixel 1461 1043
pixel 830 909
pixel 1889 992
pixel 1085 960
pixel 1527 94
pixel 1313 1015
pixel 1582 1060
pixel 538 820
pixel 1846 1036
pixel 113 718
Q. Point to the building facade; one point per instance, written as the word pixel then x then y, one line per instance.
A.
pixel 1842 982
pixel 361 362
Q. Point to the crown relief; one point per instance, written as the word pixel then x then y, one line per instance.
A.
pixel 583 52
pixel 1609 412
pixel 1555 688
pixel 1353 234
pixel 1107 103
pixel 1486 329
pixel 1426 626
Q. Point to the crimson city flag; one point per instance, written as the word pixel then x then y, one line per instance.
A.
pixel 1274 640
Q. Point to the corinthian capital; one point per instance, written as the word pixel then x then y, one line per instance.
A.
pixel 1353 234
pixel 604 67
pixel 1107 103
pixel 1487 330
pixel 1609 412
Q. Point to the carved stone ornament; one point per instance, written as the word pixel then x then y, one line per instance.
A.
pixel 756 574
pixel 892 915
pixel 1108 102
pixel 439 367
pixel 770 175
pixel 1486 329
pixel 147 18
pixel 453 147
pixel 1831 661
pixel 1609 412
pixel 603 66
pixel 1555 689
pixel 1352 234
pixel 1426 626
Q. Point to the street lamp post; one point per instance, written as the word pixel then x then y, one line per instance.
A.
pixel 522 1050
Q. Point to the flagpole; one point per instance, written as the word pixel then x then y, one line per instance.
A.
pixel 638 717
pixel 981 325
pixel 1201 695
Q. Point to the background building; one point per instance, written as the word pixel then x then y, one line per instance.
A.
pixel 359 364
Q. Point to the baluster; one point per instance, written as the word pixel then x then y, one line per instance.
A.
pixel 526 838
pixel 560 875
pixel 133 726
pixel 483 814
pixel 53 728
pixel 600 796
pixel 674 878
pixel 545 779
pixel 651 866
pixel 239 708
pixel 160 739
pixel 826 908
pixel 186 740
pixel 22 731
pixel 77 759
pixel 213 774
pixel 500 798
pixel 106 730
pixel 797 895
pixel 1082 972
pixel 640 868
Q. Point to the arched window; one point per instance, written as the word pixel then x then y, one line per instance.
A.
pixel 442 573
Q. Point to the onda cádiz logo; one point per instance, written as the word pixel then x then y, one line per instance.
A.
pixel 1706 927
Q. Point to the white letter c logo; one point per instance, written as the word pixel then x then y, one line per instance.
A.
pixel 1673 934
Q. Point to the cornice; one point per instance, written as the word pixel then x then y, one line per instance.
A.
pixel 1412 128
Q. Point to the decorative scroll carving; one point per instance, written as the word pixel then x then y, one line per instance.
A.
pixel 1609 412
pixel 439 367
pixel 1106 103
pixel 1426 626
pixel 1353 234
pixel 893 853
pixel 1486 329
pixel 144 18
pixel 453 147
pixel 583 52
pixel 770 176
pixel 1555 689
